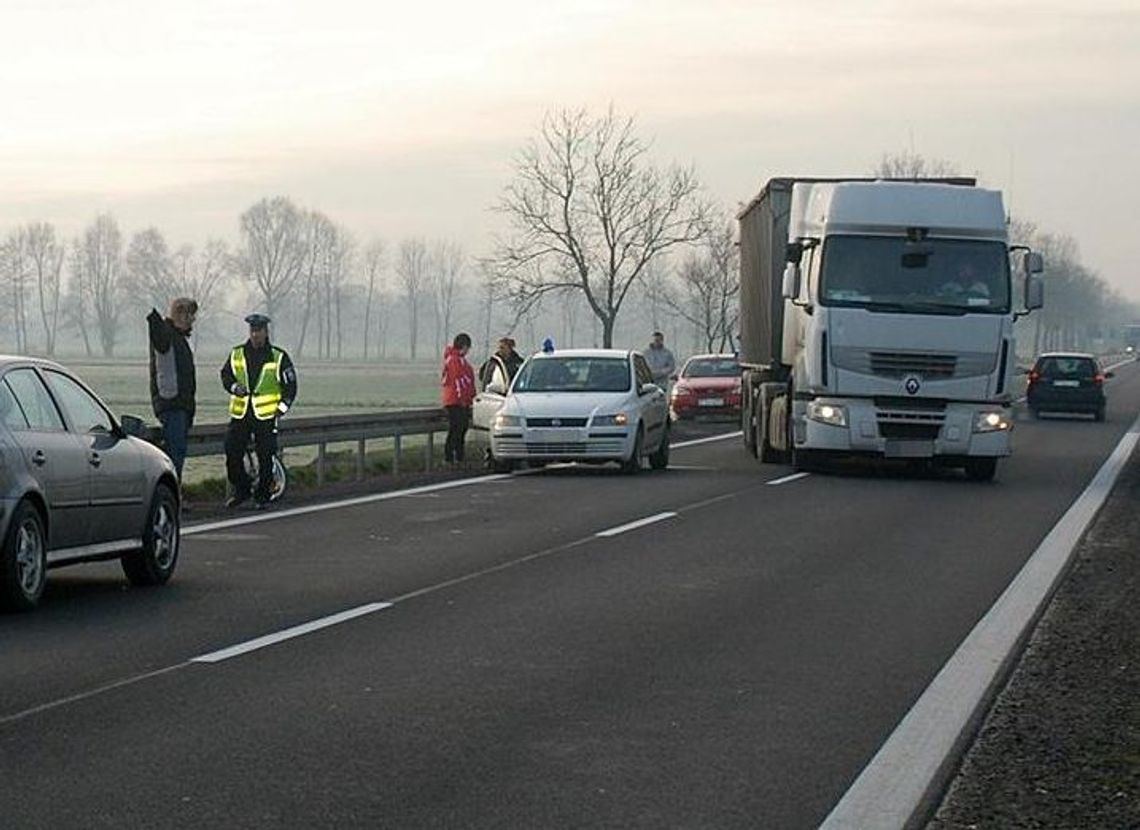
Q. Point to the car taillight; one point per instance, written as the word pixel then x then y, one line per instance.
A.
pixel 1098 379
pixel 1034 376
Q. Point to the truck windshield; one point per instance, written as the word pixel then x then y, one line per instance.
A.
pixel 935 276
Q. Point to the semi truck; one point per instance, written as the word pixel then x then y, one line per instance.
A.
pixel 876 319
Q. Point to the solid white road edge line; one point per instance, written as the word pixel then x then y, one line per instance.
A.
pixel 648 520
pixel 897 787
pixel 289 633
pixel 786 479
pixel 722 437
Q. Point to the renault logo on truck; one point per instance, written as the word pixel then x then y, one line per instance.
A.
pixel 912 383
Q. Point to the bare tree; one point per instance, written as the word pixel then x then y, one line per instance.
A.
pixel 46 254
pixel 374 263
pixel 149 266
pixel 75 302
pixel 101 266
pixel 446 262
pixel 709 284
pixel 587 211
pixel 15 265
pixel 272 251
pixel 909 165
pixel 201 274
pixel 412 271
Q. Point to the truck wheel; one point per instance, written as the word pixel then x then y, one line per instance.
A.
pixel 749 426
pixel 153 563
pixel 23 560
pixel 659 459
pixel 981 469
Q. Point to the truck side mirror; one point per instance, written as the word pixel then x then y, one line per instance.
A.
pixel 794 252
pixel 1033 263
pixel 1034 291
pixel 791 287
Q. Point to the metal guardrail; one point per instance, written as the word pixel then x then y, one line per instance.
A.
pixel 320 431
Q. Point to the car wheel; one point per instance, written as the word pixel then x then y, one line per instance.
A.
pixel 500 465
pixel 154 562
pixel 981 469
pixel 632 465
pixel 659 460
pixel 23 560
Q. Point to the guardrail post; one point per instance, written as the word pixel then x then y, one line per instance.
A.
pixel 396 454
pixel 429 451
pixel 360 460
pixel 321 463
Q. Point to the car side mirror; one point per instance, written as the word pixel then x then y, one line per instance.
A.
pixel 1110 374
pixel 133 426
pixel 496 388
pixel 648 388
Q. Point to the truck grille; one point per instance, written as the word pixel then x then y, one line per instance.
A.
pixel 898 364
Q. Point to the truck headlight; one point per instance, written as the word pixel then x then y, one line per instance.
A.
pixel 827 413
pixel 994 421
pixel 508 421
pixel 619 420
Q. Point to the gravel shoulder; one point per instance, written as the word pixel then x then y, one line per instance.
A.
pixel 1060 747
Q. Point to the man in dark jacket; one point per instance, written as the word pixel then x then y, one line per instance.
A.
pixel 262 384
pixel 172 380
pixel 505 358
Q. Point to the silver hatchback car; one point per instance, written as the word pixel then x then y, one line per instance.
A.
pixel 75 486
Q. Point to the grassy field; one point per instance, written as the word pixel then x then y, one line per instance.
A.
pixel 322 388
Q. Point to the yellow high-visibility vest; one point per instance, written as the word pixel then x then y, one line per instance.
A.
pixel 266 393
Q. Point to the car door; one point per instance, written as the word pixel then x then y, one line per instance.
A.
pixel 652 402
pixel 118 498
pixel 55 459
pixel 490 400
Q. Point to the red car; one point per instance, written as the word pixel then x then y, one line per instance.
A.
pixel 708 384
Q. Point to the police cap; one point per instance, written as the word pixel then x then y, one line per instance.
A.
pixel 257 321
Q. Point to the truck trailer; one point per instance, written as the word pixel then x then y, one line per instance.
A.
pixel 877 320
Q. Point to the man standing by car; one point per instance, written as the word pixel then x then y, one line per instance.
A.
pixel 262 384
pixel 506 357
pixel 172 380
pixel 660 360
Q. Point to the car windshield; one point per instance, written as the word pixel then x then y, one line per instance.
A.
pixel 940 276
pixel 1066 367
pixel 574 374
pixel 711 367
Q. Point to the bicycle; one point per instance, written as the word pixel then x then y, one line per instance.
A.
pixel 280 479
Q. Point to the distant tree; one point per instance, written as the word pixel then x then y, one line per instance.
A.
pixel 202 274
pixel 374 263
pixel 272 251
pixel 100 263
pixel 147 281
pixel 446 264
pixel 46 254
pixel 908 165
pixel 412 269
pixel 15 276
pixel 709 284
pixel 587 211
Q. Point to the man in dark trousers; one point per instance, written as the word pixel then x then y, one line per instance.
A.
pixel 262 384
pixel 172 380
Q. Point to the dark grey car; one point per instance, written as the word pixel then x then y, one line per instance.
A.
pixel 75 486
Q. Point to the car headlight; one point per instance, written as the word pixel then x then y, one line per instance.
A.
pixel 827 413
pixel 508 421
pixel 619 420
pixel 994 421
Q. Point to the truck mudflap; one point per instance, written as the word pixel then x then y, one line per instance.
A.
pixel 859 426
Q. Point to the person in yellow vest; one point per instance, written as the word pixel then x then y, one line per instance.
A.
pixel 262 384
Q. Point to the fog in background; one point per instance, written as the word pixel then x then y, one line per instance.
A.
pixel 398 124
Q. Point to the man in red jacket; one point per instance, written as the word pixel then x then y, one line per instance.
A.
pixel 458 392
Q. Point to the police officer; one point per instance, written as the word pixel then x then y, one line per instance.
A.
pixel 262 384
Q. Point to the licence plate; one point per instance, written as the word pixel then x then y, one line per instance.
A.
pixel 1066 383
pixel 711 402
pixel 909 449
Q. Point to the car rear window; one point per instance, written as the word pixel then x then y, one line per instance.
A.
pixel 1066 367
pixel 712 368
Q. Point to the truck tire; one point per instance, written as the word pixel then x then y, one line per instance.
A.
pixel 981 469
pixel 767 453
pixel 748 416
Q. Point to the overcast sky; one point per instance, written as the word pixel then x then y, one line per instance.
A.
pixel 400 119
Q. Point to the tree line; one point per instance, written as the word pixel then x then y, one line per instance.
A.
pixel 599 244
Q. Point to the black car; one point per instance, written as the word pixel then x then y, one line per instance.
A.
pixel 1067 382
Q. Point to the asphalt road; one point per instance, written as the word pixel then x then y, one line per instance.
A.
pixel 733 665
